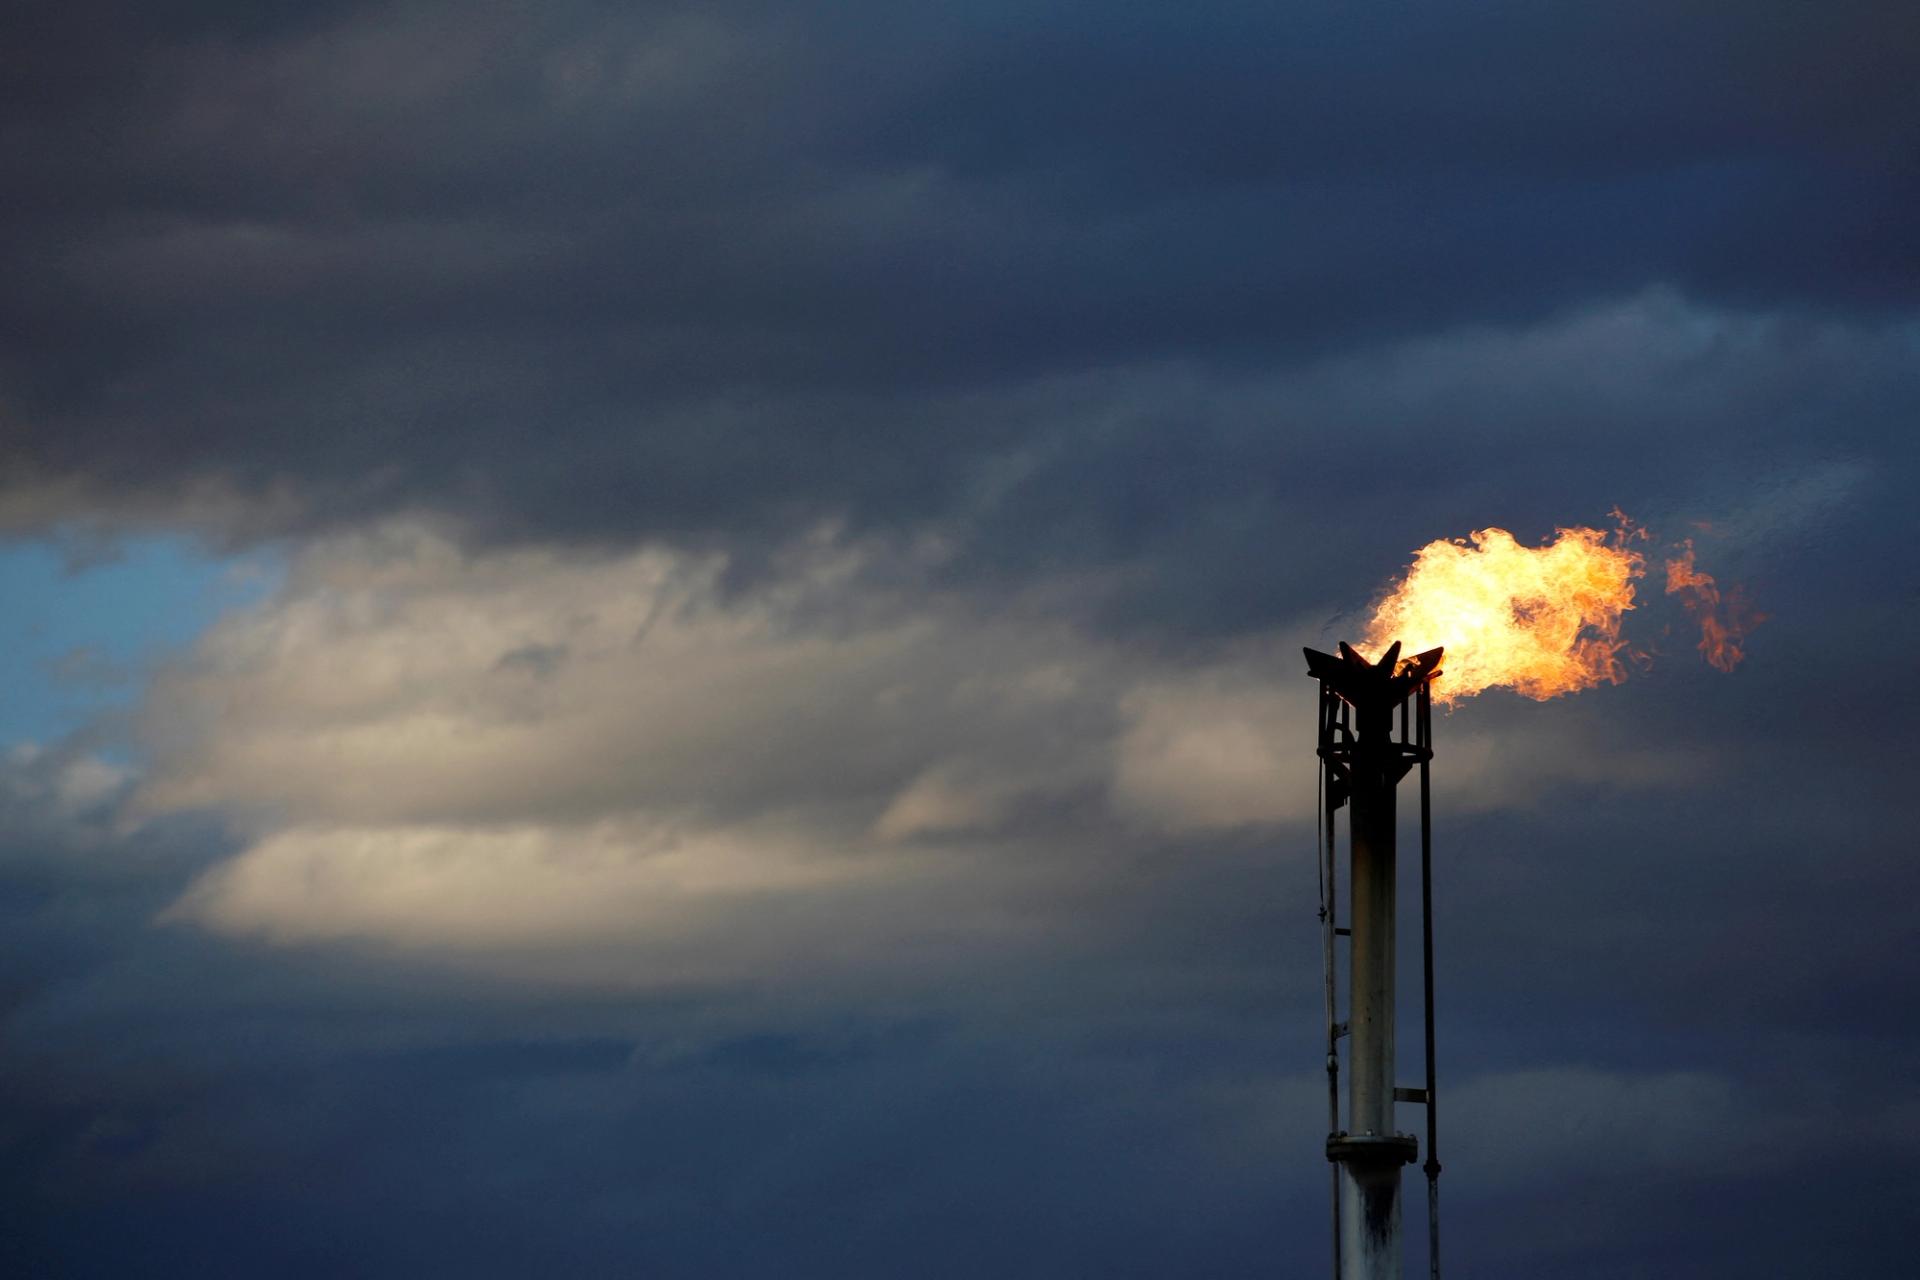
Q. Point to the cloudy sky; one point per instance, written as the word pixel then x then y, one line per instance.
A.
pixel 663 639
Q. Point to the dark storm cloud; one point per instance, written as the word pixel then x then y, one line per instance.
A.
pixel 719 272
pixel 1141 327
pixel 1625 1007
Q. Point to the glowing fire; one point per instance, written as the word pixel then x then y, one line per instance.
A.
pixel 1539 620
pixel 1724 622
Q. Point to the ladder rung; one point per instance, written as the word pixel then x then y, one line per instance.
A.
pixel 1339 1029
pixel 1403 1094
pixel 1342 931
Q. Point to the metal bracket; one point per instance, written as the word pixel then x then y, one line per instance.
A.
pixel 1373 1148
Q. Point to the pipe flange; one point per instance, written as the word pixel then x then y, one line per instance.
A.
pixel 1373 1148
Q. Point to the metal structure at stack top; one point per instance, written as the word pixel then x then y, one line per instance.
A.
pixel 1375 690
pixel 1364 760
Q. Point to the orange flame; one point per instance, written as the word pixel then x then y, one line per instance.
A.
pixel 1542 621
pixel 1724 622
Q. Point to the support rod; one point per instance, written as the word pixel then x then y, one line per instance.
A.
pixel 1329 901
pixel 1432 1166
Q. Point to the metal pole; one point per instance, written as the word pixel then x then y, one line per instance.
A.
pixel 1370 1099
pixel 1329 899
pixel 1432 1166
pixel 1370 1213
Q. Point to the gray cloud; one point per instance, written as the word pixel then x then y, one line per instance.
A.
pixel 781 750
pixel 698 759
pixel 706 274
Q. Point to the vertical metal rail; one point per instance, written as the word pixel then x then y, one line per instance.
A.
pixel 1329 897
pixel 1424 714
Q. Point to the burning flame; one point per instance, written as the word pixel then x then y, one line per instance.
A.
pixel 1545 620
pixel 1724 622
pixel 1542 621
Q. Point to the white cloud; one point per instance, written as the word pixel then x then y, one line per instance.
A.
pixel 1226 749
pixel 69 784
pixel 531 750
pixel 520 885
pixel 941 801
pixel 528 749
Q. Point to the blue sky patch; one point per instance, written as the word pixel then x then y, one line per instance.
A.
pixel 79 636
